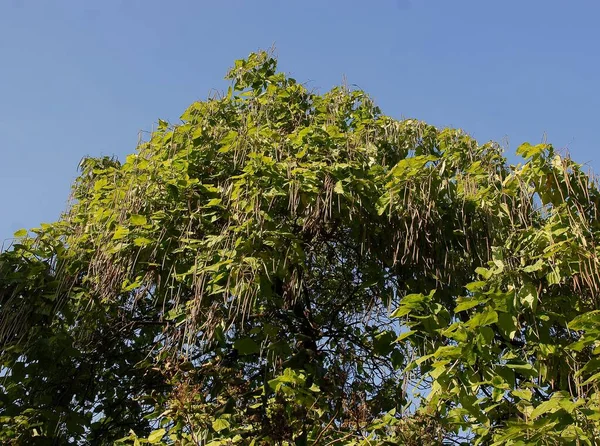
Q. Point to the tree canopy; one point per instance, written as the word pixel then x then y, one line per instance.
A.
pixel 294 268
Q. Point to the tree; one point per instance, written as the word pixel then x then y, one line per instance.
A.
pixel 284 267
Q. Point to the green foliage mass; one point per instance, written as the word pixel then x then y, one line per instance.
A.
pixel 284 267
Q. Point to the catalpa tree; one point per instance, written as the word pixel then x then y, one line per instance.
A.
pixel 289 268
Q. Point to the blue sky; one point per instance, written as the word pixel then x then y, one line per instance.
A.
pixel 83 78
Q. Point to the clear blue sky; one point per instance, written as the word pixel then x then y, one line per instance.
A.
pixel 83 77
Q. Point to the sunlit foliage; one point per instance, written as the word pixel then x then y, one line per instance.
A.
pixel 293 268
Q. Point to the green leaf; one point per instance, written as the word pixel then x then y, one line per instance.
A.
pixel 138 220
pixel 289 376
pixel 499 266
pixel 457 332
pixel 535 267
pixel 528 296
pixel 397 359
pixel 213 203
pixel 524 394
pixel 586 321
pixel 465 303
pixel 526 150
pixel 220 424
pixel 121 233
pixel 522 367
pixel 100 184
pixel 246 346
pixel 382 203
pixel 409 167
pixel 156 436
pixel 507 323
pixel 483 319
pixel 553 277
pixel 21 233
pixel 474 286
pixel 487 335
pixel 142 241
pixel 551 405
pixel 382 344
pixel 595 377
pixel 302 153
pixel 409 303
pixel 484 272
pixel 405 335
